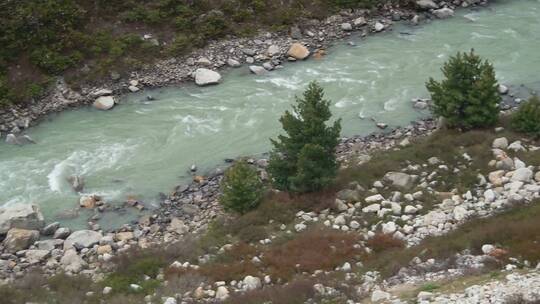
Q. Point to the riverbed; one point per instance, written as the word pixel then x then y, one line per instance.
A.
pixel 142 148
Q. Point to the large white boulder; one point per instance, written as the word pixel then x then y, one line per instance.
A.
pixel 104 103
pixel 251 283
pixel 205 77
pixel 82 239
pixel 24 216
pixel 522 175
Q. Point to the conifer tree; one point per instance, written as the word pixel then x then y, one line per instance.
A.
pixel 242 189
pixel 468 97
pixel 303 159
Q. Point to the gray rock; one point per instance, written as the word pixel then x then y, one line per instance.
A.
pixel 50 229
pixel 348 195
pixel 500 143
pixel 257 70
pixel 82 239
pixel 49 244
pixel 503 90
pixel 346 26
pixel 400 179
pixel 379 296
pixel 427 4
pixel 62 233
pixel 36 256
pixel 11 139
pixel 24 216
pixel 273 50
pixel 379 27
pixel 233 63
pixel 443 13
pixel 205 77
pixel 523 175
pixel 72 262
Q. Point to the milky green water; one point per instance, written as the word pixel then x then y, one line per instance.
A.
pixel 142 148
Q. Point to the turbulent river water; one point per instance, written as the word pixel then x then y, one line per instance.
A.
pixel 141 148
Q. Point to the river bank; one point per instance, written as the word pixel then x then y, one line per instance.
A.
pixel 270 49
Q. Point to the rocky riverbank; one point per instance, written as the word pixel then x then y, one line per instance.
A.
pixel 261 54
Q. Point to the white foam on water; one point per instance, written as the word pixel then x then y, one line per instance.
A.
pixel 84 163
pixel 344 102
pixel 292 83
pixel 390 105
pixel 476 35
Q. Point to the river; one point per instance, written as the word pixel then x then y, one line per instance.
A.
pixel 141 147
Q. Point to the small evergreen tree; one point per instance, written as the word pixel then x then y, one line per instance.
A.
pixel 241 188
pixel 304 159
pixel 468 97
pixel 527 117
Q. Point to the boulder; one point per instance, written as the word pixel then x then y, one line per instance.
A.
pixel 522 175
pixel 298 51
pixel 11 139
pixel 205 77
pixel 82 239
pixel 62 233
pixel 50 229
pixel 251 283
pixel 257 70
pixel 178 226
pixel 24 216
pixel 273 50
pixel 360 21
pixel 36 256
pixel 72 262
pixel 379 296
pixel 222 293
pixel 346 26
pixel 233 63
pixel 443 13
pixel 389 228
pixel 379 27
pixel 104 103
pixel 20 239
pixel 500 143
pixel 349 195
pixel 88 201
pixel 503 90
pixel 400 179
pixel 427 4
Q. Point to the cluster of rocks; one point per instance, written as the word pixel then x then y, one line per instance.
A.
pixel 261 53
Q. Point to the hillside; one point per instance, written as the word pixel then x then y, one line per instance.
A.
pixel 91 41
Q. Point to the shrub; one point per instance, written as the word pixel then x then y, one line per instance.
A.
pixel 527 117
pixel 304 159
pixel 242 189
pixel 468 97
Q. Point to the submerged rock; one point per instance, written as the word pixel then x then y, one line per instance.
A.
pixel 257 70
pixel 443 13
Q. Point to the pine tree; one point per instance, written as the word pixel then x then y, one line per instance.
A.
pixel 468 97
pixel 527 118
pixel 242 189
pixel 303 160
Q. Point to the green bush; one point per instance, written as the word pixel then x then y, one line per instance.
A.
pixel 468 97
pixel 304 159
pixel 527 117
pixel 242 189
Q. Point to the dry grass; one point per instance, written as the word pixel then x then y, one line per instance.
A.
pixel 383 242
pixel 315 249
pixel 297 292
